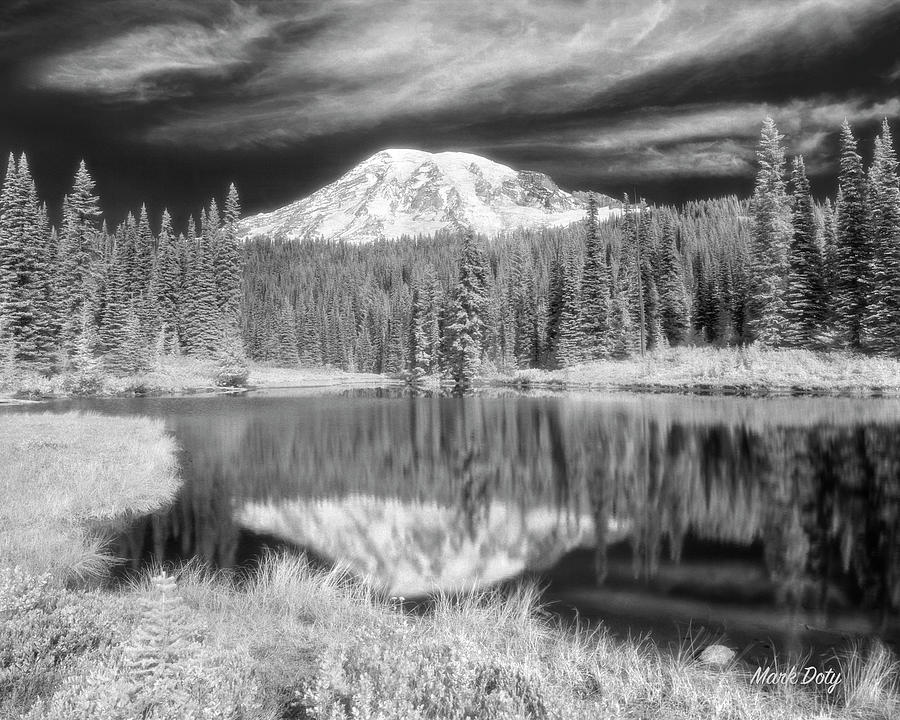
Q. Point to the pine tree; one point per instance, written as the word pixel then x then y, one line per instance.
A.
pixel 771 237
pixel 393 360
pixel 570 339
pixel 829 251
pixel 466 328
pixel 202 321
pixel 229 260
pixel 117 298
pixel 168 273
pixel 232 369
pixel 132 356
pixel 9 239
pixel 81 225
pixel 141 259
pixel 653 311
pixel 520 301
pixel 84 359
pixel 595 290
pixel 805 300
pixel 25 267
pixel 672 291
pixel 625 328
pixel 419 352
pixel 854 252
pixel 286 352
pixel 555 302
pixel 706 306
pixel 883 318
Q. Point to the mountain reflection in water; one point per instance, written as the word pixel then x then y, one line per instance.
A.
pixel 696 508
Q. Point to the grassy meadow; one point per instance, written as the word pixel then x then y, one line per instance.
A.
pixel 293 642
pixel 744 370
pixel 175 375
pixel 61 472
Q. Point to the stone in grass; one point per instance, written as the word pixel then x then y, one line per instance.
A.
pixel 716 656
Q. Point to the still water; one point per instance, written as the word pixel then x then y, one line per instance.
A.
pixel 773 522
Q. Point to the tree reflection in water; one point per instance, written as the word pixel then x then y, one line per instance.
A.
pixel 812 486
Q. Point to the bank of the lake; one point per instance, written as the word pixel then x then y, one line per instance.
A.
pixel 733 370
pixel 708 370
pixel 177 375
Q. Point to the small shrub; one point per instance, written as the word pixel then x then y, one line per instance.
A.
pixel 83 382
pixel 43 630
pixel 232 369
pixel 399 675
pixel 166 669
pixel 235 376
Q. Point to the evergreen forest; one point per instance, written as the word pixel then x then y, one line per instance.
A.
pixel 780 269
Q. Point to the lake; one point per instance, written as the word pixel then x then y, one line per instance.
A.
pixel 773 522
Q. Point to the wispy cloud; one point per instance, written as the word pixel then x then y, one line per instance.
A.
pixel 696 140
pixel 141 64
pixel 303 70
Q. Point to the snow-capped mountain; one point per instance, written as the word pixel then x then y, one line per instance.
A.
pixel 411 192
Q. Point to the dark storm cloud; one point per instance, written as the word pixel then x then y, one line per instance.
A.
pixel 594 91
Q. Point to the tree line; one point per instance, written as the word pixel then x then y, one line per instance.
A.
pixel 780 269
pixel 79 296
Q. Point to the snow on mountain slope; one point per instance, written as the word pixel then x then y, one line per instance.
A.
pixel 411 192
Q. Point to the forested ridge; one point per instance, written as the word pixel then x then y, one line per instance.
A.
pixel 779 269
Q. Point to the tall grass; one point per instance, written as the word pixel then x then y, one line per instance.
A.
pixel 61 472
pixel 338 650
pixel 742 369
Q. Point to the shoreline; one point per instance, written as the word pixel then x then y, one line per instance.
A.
pixel 733 371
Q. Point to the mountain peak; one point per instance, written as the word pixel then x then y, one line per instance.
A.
pixel 401 191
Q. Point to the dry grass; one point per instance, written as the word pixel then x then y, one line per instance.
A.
pixel 61 471
pixel 332 645
pixel 183 374
pixel 751 369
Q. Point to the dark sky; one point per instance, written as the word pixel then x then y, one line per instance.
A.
pixel 169 100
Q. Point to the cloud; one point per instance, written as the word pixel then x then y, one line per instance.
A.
pixel 143 63
pixel 298 71
pixel 713 140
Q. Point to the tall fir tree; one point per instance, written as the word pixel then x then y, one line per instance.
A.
pixel 830 253
pixel 116 301
pixel 286 351
pixel 883 311
pixel 570 339
pixel 9 239
pixel 466 329
pixel 81 226
pixel 24 264
pixel 203 321
pixel 419 351
pixel 555 303
pixel 169 277
pixel 132 355
pixel 228 259
pixel 672 289
pixel 805 298
pixel 141 259
pixel 854 252
pixel 771 238
pixel 595 290
pixel 520 300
